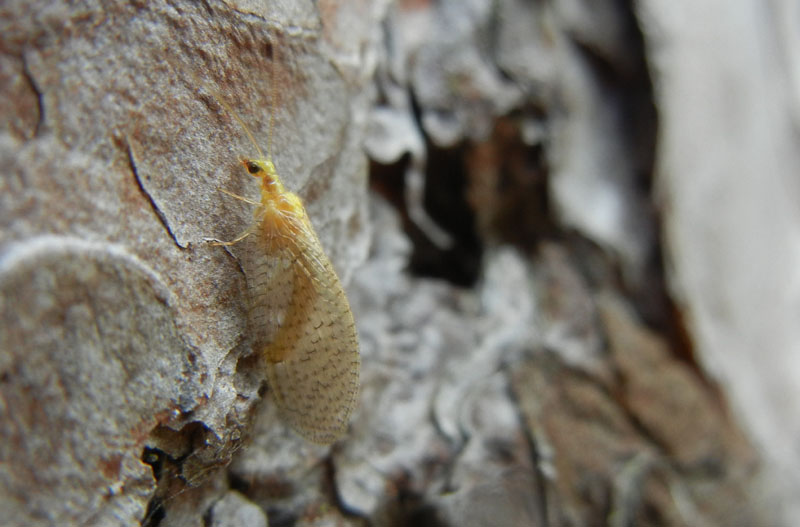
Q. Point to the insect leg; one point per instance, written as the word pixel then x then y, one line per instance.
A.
pixel 237 196
pixel 234 241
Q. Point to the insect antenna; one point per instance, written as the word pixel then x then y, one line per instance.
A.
pixel 272 99
pixel 243 125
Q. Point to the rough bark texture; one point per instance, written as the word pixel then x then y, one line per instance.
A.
pixel 572 265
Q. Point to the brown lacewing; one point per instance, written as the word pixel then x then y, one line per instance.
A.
pixel 299 317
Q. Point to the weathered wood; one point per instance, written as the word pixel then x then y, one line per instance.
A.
pixel 532 351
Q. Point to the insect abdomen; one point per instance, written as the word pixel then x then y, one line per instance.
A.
pixel 304 328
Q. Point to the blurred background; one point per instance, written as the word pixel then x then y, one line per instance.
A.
pixel 568 231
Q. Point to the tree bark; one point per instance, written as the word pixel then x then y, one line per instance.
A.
pixel 563 228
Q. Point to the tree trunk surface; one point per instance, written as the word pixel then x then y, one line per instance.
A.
pixel 567 231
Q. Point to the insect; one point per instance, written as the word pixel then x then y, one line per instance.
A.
pixel 299 317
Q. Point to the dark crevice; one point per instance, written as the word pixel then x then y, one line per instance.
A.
pixel 40 121
pixel 181 460
pixel 640 115
pixel 334 495
pixel 281 517
pixel 155 513
pixel 485 193
pixel 162 218
pixel 414 511
pixel 159 462
pixel 629 90
pixel 155 458
pixel 445 203
pixel 387 180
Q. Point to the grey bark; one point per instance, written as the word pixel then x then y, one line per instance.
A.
pixel 572 276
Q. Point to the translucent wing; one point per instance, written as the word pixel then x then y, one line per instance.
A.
pixel 270 288
pixel 301 321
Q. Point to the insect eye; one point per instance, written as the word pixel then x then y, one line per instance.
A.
pixel 253 168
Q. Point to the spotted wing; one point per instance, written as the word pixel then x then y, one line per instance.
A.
pixel 301 321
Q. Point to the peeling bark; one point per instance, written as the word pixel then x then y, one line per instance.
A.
pixel 543 340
